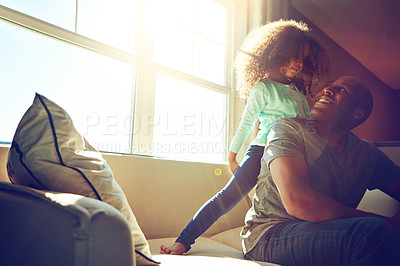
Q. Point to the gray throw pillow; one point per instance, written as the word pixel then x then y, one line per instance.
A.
pixel 48 153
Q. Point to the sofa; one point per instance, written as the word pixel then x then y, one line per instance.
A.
pixel 164 195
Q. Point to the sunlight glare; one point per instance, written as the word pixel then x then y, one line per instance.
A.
pixel 108 21
pixel 179 11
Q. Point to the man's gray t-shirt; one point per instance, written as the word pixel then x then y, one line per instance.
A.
pixel 343 177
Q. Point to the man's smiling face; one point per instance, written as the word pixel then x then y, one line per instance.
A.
pixel 334 94
pixel 336 103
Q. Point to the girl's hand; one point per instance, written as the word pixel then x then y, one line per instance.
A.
pixel 233 164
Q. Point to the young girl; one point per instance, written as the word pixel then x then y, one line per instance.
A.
pixel 277 63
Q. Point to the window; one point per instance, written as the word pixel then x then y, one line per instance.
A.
pixel 189 35
pixel 188 120
pixel 147 76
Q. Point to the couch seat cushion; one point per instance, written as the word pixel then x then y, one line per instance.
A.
pixel 193 260
pixel 203 247
pixel 230 237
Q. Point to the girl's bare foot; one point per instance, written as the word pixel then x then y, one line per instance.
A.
pixel 176 249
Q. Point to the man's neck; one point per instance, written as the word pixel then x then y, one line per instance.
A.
pixel 334 139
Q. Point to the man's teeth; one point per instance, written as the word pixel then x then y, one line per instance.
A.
pixel 324 100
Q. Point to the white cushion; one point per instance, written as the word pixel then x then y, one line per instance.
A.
pixel 230 237
pixel 203 247
pixel 176 260
pixel 48 153
pixel 205 251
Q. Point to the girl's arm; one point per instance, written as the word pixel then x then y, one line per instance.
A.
pixel 255 104
pixel 233 164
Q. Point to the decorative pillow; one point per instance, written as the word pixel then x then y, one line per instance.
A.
pixel 48 153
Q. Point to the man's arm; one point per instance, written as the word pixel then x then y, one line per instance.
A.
pixel 300 200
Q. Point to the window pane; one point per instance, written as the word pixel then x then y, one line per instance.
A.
pixel 209 61
pixel 211 20
pixel 197 47
pixel 94 89
pixel 173 47
pixel 108 21
pixel 61 14
pixel 179 11
pixel 189 121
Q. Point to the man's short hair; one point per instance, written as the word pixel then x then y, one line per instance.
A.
pixel 366 100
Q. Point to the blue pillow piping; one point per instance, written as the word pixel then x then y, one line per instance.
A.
pixel 58 150
pixel 21 154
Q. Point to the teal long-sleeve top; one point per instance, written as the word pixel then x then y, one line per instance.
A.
pixel 268 101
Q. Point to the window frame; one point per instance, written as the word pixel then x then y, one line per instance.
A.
pixel 146 70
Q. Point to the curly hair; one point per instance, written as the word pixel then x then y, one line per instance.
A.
pixel 271 46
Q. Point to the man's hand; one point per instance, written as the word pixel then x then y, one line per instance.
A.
pixel 233 164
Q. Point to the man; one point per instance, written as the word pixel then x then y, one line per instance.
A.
pixel 313 175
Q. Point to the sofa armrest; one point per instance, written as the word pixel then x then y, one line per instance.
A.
pixel 46 228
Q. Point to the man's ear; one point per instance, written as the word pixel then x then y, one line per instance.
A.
pixel 359 114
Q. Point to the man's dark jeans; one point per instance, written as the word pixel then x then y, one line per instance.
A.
pixel 354 241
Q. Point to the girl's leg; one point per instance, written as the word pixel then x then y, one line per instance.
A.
pixel 238 186
pixel 353 241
